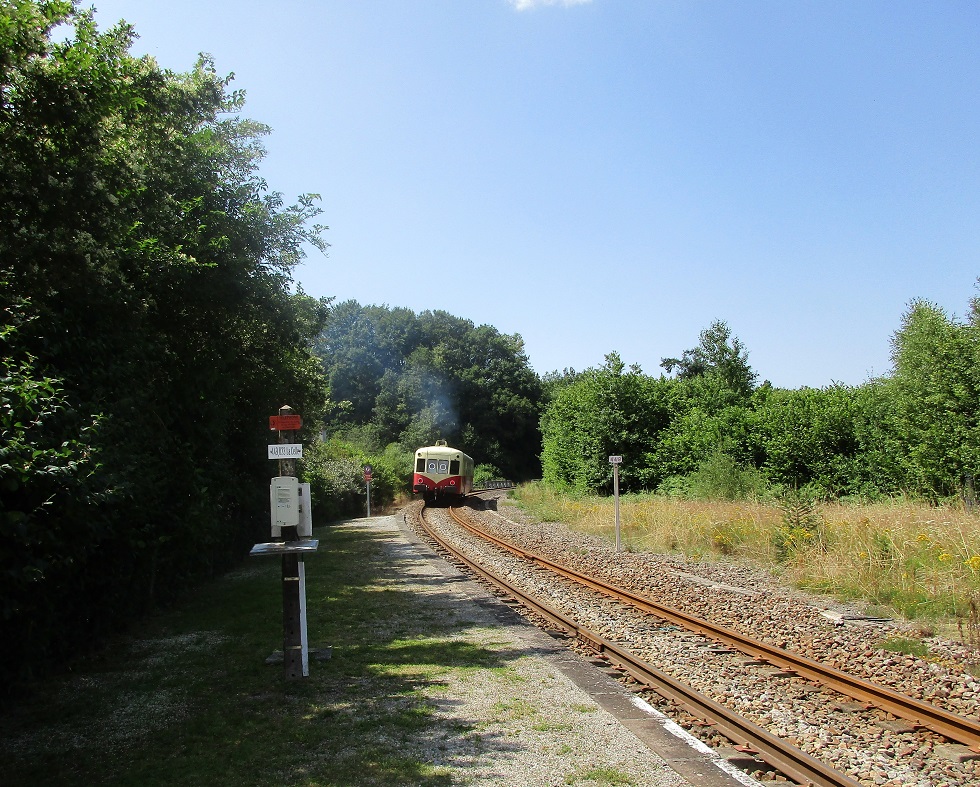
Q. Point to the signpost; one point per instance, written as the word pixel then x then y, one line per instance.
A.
pixel 290 516
pixel 616 461
pixel 368 471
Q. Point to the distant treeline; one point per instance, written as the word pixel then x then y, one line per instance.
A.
pixel 402 379
pixel 703 427
pixel 711 430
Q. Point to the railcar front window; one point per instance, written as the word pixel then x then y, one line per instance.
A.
pixel 443 466
pixel 420 465
pixel 454 467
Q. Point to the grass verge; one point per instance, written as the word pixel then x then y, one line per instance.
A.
pixel 920 561
pixel 190 700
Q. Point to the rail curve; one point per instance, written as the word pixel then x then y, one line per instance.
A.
pixel 778 753
pixel 950 725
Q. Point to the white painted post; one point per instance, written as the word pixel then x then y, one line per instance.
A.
pixel 303 639
pixel 616 461
pixel 616 493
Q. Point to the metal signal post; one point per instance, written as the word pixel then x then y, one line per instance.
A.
pixel 368 470
pixel 292 522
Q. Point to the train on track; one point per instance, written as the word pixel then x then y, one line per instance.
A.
pixel 442 472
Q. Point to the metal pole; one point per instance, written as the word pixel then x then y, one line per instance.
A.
pixel 293 652
pixel 616 495
pixel 303 637
pixel 292 618
pixel 369 499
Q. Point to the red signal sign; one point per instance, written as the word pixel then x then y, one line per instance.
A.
pixel 285 423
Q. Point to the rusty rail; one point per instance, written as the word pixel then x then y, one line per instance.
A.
pixel 788 759
pixel 950 725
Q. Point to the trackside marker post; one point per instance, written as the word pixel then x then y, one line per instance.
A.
pixel 292 522
pixel 616 461
pixel 368 470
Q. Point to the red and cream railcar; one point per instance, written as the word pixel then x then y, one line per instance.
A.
pixel 442 472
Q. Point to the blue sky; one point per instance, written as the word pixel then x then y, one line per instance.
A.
pixel 616 174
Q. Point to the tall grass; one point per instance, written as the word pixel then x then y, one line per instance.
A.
pixel 921 561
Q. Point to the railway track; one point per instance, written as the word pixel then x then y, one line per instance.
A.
pixel 749 737
pixel 954 727
pixel 782 756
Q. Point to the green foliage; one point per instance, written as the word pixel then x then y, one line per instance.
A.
pixel 719 354
pixel 335 471
pixel 553 382
pixel 881 467
pixel 605 412
pixel 44 481
pixel 149 329
pixel 664 428
pixel 916 432
pixel 937 397
pixel 809 437
pixel 416 378
pixel 905 646
pixel 484 473
pixel 718 477
pixel 707 414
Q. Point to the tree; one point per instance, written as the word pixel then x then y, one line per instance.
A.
pixel 937 396
pixel 720 354
pixel 606 411
pixel 151 269
pixel 808 437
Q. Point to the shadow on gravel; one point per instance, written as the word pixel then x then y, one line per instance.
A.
pixel 189 700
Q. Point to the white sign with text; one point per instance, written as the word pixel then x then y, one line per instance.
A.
pixel 286 451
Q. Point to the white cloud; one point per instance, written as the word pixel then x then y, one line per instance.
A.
pixel 527 5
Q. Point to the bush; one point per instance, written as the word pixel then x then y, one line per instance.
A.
pixel 335 472
pixel 718 477
pixel 484 473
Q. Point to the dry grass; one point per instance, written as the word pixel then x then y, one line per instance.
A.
pixel 922 561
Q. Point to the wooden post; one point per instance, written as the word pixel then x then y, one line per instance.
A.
pixel 286 466
pixel 292 643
